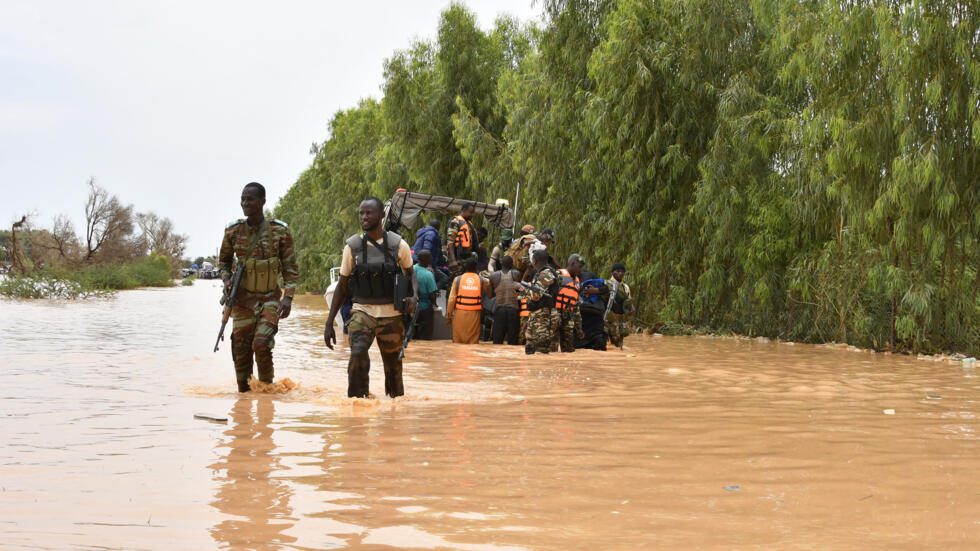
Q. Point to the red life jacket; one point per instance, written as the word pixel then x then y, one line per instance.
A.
pixel 568 295
pixel 469 294
pixel 524 311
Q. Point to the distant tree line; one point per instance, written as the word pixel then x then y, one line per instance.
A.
pixel 804 170
pixel 113 233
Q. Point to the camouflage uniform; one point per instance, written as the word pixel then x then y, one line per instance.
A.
pixel 542 324
pixel 570 317
pixel 373 314
pixel 616 325
pixel 569 330
pixel 521 335
pixel 256 315
pixel 362 329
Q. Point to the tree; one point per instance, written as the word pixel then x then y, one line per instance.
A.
pixel 17 264
pixel 65 239
pixel 803 170
pixel 107 224
pixel 157 236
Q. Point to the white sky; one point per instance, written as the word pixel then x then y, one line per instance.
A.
pixel 174 106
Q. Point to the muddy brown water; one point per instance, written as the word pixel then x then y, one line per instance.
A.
pixel 674 443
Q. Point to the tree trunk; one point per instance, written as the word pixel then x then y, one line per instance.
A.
pixel 16 265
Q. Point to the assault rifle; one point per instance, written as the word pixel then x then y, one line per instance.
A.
pixel 409 332
pixel 535 288
pixel 228 301
pixel 614 286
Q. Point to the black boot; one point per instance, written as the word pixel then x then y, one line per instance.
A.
pixel 243 386
pixel 528 349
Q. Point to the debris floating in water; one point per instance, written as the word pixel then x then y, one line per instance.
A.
pixel 888 411
pixel 732 488
pixel 211 417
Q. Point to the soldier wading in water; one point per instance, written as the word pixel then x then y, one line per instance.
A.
pixel 544 319
pixel 265 247
pixel 376 266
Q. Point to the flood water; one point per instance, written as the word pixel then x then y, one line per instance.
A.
pixel 673 443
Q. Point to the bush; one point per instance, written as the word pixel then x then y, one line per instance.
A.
pixel 114 277
pixel 151 271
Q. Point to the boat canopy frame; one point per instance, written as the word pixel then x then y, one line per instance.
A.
pixel 405 208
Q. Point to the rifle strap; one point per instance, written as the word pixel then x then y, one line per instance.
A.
pixel 383 247
pixel 254 241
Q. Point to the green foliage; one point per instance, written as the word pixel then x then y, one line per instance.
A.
pixel 151 271
pixel 801 170
pixel 97 279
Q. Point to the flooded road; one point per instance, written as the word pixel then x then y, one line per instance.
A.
pixel 673 443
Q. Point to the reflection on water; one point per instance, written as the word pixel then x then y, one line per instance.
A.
pixel 671 443
pixel 256 504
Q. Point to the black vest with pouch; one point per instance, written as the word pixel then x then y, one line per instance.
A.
pixel 375 268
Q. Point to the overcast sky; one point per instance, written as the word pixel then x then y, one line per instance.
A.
pixel 174 106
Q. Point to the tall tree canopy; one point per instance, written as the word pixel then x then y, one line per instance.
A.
pixel 804 170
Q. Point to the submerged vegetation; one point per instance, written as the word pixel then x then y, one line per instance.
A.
pixel 802 170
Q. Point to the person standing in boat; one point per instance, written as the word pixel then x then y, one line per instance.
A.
pixel 462 240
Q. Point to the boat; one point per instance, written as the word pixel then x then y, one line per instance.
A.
pixel 404 212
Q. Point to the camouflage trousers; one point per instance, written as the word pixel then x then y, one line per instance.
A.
pixel 255 322
pixel 541 328
pixel 361 330
pixel 617 328
pixel 569 330
pixel 521 339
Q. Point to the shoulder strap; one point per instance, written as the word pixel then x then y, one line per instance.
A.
pixel 254 241
pixel 383 248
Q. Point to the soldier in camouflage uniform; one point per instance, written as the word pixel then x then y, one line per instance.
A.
pixel 567 305
pixel 543 321
pixel 622 305
pixel 266 249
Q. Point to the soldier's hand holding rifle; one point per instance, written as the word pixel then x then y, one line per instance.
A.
pixel 285 307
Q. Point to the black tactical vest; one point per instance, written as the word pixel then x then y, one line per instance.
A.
pixel 375 268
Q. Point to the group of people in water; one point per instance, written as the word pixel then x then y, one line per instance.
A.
pixel 519 295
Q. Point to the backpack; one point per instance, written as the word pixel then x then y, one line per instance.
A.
pixel 518 251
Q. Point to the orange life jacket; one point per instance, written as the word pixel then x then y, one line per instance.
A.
pixel 468 294
pixel 568 295
pixel 464 237
pixel 524 311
